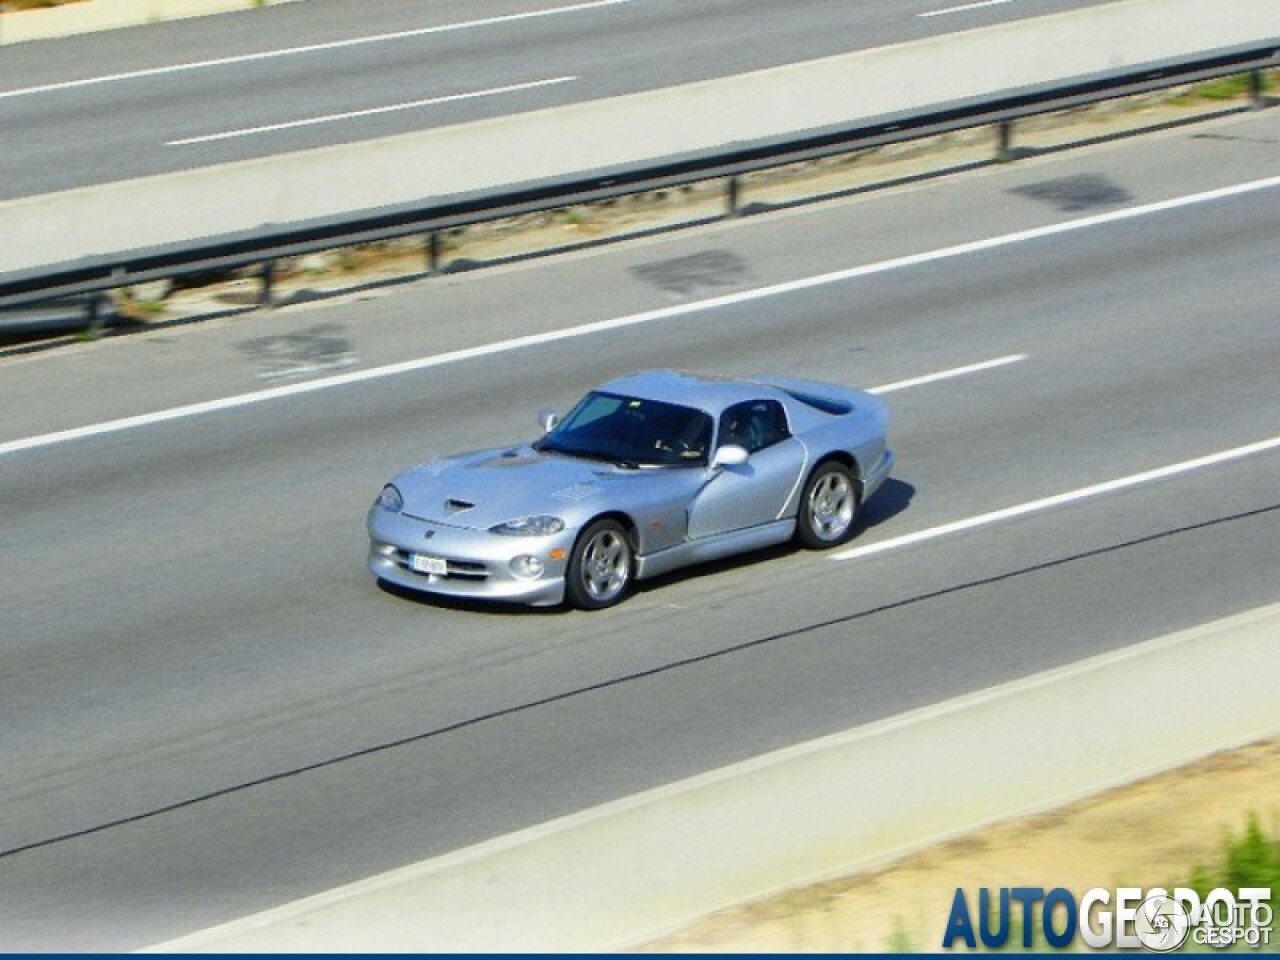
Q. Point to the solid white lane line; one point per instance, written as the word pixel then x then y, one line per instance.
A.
pixel 369 112
pixel 310 48
pixel 1061 499
pixel 617 323
pixel 376 373
pixel 949 374
pixel 964 7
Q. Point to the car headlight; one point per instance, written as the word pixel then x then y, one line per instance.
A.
pixel 391 499
pixel 536 526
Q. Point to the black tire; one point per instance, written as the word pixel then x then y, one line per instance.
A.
pixel 601 567
pixel 828 507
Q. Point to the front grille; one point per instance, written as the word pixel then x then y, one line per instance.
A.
pixel 467 570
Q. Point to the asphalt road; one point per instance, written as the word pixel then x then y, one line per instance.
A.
pixel 211 709
pixel 184 94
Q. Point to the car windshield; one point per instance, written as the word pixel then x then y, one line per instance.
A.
pixel 632 432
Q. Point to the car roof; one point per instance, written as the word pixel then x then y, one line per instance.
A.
pixel 710 393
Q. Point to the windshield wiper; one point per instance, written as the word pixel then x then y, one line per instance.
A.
pixel 625 462
pixel 547 445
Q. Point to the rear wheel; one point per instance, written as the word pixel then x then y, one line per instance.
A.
pixel 828 506
pixel 601 566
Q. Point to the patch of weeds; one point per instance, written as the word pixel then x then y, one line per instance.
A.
pixel 131 306
pixel 901 940
pixel 150 309
pixel 1224 89
pixel 1251 859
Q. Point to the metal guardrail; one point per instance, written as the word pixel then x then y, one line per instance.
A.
pixel 93 277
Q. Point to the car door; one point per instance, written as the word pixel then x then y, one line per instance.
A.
pixel 755 492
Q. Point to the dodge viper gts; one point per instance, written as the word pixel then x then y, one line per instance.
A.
pixel 647 473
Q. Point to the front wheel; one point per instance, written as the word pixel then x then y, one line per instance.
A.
pixel 600 567
pixel 828 507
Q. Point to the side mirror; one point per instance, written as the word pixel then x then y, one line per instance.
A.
pixel 730 455
pixel 547 419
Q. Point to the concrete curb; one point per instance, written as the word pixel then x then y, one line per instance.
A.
pixel 94 15
pixel 627 871
pixel 526 148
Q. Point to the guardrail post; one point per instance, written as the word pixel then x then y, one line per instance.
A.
pixel 1004 141
pixel 433 252
pixel 1256 100
pixel 94 320
pixel 268 283
pixel 733 194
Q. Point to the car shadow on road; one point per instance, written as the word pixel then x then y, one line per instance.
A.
pixel 893 497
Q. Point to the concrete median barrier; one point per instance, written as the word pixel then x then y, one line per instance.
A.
pixel 599 135
pixel 627 871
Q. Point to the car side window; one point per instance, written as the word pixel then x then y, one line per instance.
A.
pixel 754 424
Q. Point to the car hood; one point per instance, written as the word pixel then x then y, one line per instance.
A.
pixel 480 490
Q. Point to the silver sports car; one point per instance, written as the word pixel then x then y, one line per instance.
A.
pixel 648 473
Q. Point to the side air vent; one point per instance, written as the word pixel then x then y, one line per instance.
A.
pixel 457 506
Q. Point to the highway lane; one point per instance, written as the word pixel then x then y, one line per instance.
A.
pixel 186 615
pixel 178 95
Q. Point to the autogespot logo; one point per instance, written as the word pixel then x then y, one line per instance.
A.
pixel 1162 923
pixel 1157 920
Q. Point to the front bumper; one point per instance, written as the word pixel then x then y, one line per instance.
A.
pixel 877 475
pixel 476 563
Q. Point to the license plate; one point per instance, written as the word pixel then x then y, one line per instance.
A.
pixel 433 565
